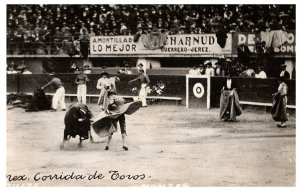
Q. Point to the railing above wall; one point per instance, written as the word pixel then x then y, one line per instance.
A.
pixel 249 89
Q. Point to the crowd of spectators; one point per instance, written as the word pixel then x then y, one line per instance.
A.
pixel 21 68
pixel 56 29
pixel 227 67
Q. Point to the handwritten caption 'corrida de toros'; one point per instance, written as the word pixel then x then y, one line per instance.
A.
pixel 112 175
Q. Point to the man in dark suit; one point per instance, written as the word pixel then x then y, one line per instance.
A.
pixel 283 72
pixel 201 69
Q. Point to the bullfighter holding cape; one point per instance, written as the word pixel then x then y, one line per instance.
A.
pixel 278 110
pixel 229 102
pixel 104 85
pixel 106 122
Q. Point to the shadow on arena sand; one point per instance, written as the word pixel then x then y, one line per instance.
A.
pixel 168 146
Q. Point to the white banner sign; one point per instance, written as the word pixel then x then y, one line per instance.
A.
pixel 160 44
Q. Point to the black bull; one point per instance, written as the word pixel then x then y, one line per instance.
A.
pixel 77 122
pixel 39 101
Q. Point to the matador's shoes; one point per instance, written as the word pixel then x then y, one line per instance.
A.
pixel 125 148
pixel 106 148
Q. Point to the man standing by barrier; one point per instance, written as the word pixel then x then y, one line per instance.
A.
pixel 113 81
pixel 59 96
pixel 81 80
pixel 104 85
pixel 278 110
pixel 229 102
pixel 145 81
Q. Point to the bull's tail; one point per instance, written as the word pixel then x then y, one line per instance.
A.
pixel 91 137
pixel 65 138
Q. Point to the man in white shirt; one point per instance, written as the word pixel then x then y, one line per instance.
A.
pixel 104 85
pixel 86 69
pixel 194 71
pixel 210 71
pixel 81 81
pixel 11 70
pixel 261 73
pixel 218 69
pixel 125 70
pixel 248 72
pixel 26 71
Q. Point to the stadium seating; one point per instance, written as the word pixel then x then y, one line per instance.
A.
pixel 59 29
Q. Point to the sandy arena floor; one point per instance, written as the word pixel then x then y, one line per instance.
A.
pixel 168 146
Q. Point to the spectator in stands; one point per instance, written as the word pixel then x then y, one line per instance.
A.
pixel 140 66
pixel 218 69
pixel 83 29
pixel 11 65
pixel 182 30
pixel 226 67
pixel 11 70
pixel 283 72
pixel 220 65
pixel 22 65
pixel 45 36
pixel 10 38
pixel 91 34
pixel 248 72
pixel 84 43
pixel 86 69
pixel 66 35
pixel 239 69
pixel 57 39
pixel 261 73
pixel 73 67
pixel 209 71
pixel 64 27
pixel 201 69
pixel 66 38
pixel 26 71
pixel 194 71
pixel 160 24
pixel 123 29
pixel 126 69
pixel 234 69
pixel 27 45
pixel 107 19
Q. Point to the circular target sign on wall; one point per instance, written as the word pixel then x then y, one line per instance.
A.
pixel 198 90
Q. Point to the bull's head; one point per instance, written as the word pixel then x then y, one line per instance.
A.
pixel 84 115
